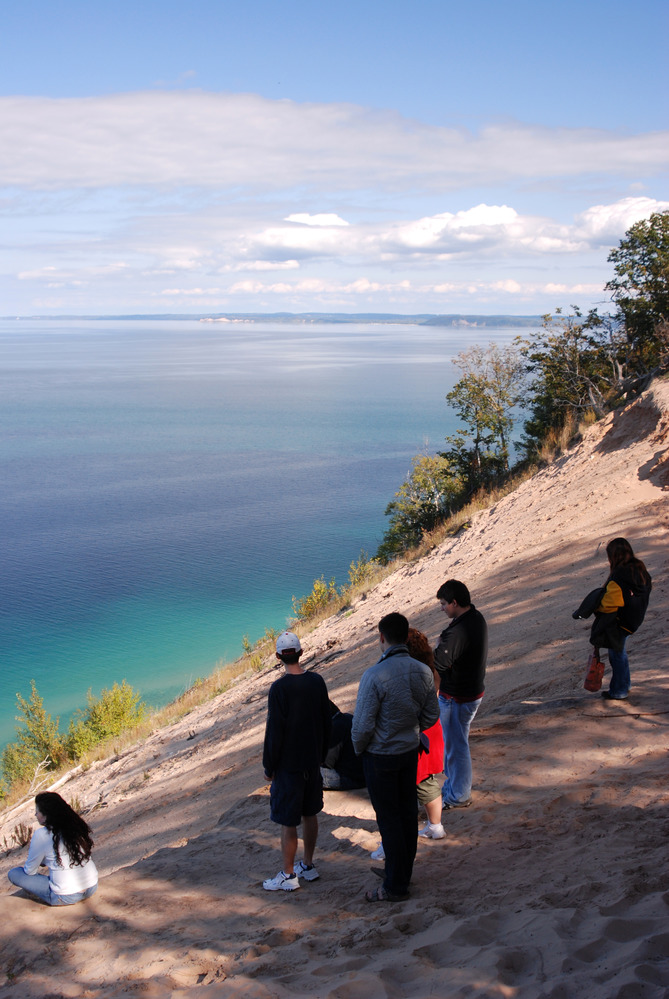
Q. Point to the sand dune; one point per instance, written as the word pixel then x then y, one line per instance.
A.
pixel 554 884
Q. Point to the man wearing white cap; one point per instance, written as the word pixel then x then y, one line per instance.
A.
pixel 296 742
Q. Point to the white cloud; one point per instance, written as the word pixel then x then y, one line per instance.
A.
pixel 246 141
pixel 481 231
pixel 186 263
pixel 189 292
pixel 366 288
pixel 197 196
pixel 605 224
pixel 484 215
pixel 487 253
pixel 509 286
pixel 484 233
pixel 323 219
pixel 454 230
pixel 70 275
pixel 314 240
pixel 263 265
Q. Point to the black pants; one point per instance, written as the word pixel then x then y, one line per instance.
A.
pixel 391 781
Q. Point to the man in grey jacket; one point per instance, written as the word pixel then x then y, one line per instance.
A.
pixel 396 702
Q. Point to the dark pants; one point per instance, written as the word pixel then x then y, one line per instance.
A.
pixel 391 781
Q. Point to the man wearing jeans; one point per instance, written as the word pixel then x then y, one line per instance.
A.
pixel 460 659
pixel 396 702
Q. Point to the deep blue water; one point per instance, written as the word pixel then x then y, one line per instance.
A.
pixel 167 487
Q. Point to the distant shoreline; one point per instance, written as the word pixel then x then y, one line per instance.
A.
pixel 453 320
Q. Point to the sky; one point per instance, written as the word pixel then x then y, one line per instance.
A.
pixel 370 156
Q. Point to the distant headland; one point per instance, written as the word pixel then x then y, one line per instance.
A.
pixel 496 322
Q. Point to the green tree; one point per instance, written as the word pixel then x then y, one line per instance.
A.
pixel 641 288
pixel 564 360
pixel 362 569
pixel 576 364
pixel 321 595
pixel 113 712
pixel 484 398
pixel 37 740
pixel 429 493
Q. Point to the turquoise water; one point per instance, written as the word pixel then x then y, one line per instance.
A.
pixel 168 487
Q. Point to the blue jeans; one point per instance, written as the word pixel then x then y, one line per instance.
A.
pixel 620 673
pixel 456 720
pixel 37 885
pixel 391 781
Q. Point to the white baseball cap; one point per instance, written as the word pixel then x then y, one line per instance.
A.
pixel 288 642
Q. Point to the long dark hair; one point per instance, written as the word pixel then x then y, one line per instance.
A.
pixel 64 824
pixel 619 553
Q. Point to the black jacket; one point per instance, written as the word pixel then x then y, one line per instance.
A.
pixel 590 603
pixel 636 594
pixel 341 755
pixel 611 627
pixel 461 656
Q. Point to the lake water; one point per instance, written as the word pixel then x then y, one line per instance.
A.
pixel 167 487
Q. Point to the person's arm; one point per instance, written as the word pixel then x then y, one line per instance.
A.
pixel 452 642
pixel 612 600
pixel 37 851
pixel 327 725
pixel 429 713
pixel 364 717
pixel 441 663
pixel 334 745
pixel 273 734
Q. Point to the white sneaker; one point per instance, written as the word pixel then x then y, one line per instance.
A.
pixel 379 853
pixel 430 831
pixel 308 873
pixel 283 882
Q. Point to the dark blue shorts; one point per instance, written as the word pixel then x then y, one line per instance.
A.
pixel 293 795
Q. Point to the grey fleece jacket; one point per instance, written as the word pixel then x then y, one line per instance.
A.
pixel 396 702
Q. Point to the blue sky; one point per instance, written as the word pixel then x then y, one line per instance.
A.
pixel 373 156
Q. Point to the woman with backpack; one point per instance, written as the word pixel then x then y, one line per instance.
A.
pixel 620 612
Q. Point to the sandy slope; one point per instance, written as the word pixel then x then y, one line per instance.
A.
pixel 554 884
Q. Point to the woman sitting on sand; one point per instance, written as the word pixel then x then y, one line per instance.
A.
pixel 63 844
pixel 621 612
